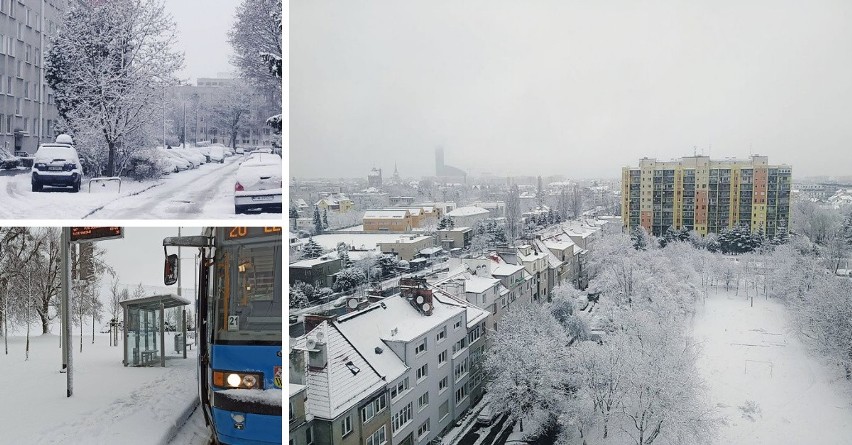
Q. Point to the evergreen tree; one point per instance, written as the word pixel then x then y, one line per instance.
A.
pixel 639 237
pixel 294 212
pixel 318 226
pixel 344 260
pixel 312 249
pixel 669 236
pixel 446 223
pixel 325 218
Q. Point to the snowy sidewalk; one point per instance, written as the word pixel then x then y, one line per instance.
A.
pixel 111 404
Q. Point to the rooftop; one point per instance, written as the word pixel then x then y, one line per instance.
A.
pixel 468 211
pixel 394 214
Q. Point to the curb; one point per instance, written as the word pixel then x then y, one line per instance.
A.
pixel 179 422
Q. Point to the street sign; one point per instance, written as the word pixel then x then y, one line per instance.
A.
pixel 86 234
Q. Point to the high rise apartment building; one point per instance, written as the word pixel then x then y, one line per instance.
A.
pixel 27 111
pixel 706 195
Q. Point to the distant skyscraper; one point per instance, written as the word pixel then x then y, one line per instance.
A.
pixel 445 171
pixel 706 195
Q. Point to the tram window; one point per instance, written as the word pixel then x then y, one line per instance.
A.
pixel 249 295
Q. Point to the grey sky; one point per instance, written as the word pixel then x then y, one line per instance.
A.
pixel 553 87
pixel 202 30
pixel 138 257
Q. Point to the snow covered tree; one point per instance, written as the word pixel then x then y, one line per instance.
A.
pixel 576 200
pixel 299 297
pixel 294 212
pixel 513 212
pixel 312 249
pixel 348 279
pixel 526 364
pixel 640 237
pixel 256 33
pixel 446 223
pixel 230 112
pixel 108 66
pixel 325 218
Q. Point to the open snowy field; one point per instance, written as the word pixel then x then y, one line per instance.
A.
pixel 769 388
pixel 111 404
pixel 204 192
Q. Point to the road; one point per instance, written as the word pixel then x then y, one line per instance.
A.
pixel 205 192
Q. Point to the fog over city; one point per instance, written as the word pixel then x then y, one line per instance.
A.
pixel 580 89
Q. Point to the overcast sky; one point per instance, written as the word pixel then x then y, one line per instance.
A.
pixel 138 257
pixel 574 88
pixel 202 31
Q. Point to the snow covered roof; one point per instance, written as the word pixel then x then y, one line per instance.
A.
pixel 479 285
pixel 431 250
pixel 335 388
pixel 552 260
pixel 307 264
pixel 474 314
pixel 504 269
pixel 408 239
pixel 557 244
pixel 468 211
pixel 294 389
pixel 384 214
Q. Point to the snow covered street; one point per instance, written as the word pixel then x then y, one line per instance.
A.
pixel 769 388
pixel 205 192
pixel 111 404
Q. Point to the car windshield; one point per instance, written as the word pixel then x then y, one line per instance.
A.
pixel 248 293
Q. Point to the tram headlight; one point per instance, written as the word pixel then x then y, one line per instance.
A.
pixel 242 380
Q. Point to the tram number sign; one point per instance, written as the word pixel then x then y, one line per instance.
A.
pixel 233 322
pixel 251 232
pixel 84 234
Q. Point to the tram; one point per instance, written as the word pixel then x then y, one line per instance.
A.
pixel 239 321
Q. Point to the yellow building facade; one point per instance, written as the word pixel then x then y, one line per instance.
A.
pixel 706 195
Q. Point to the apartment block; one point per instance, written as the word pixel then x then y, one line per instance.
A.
pixel 706 195
pixel 28 113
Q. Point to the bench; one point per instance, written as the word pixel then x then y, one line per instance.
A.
pixel 149 355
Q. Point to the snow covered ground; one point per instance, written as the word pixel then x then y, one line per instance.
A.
pixel 111 404
pixel 205 192
pixel 768 386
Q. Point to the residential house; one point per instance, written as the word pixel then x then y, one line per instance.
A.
pixel 455 238
pixel 316 271
pixel 335 202
pixel 345 395
pixel 387 221
pixel 408 247
pixel 301 425
pixel 468 216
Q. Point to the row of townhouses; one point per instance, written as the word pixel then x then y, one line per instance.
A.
pixel 405 368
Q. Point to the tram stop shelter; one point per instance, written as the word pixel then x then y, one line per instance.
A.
pixel 145 329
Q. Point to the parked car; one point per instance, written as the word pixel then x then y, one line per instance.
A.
pixel 262 150
pixel 57 164
pixel 194 158
pixel 217 154
pixel 240 151
pixel 180 163
pixel 487 416
pixel 258 184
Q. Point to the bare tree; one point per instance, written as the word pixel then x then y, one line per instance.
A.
pixel 255 32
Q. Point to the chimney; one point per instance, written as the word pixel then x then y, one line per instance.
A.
pixel 317 351
pixel 297 367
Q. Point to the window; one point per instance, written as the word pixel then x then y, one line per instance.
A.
pixel 12 8
pixel 2 46
pixel 309 435
pixel 442 334
pixel 423 430
pixel 29 24
pixel 420 348
pixel 457 324
pixel 474 334
pixel 18 106
pixel 461 393
pixel 460 345
pixel 9 85
pixel 422 401
pixel 3 8
pixel 2 123
pixel 26 90
pixel 461 369
pixel 442 358
pixel 401 418
pixel 27 51
pixel 346 427
pixel 444 410
pixel 422 372
pixel 20 69
pixel 377 438
pixel 442 385
pixel 26 124
pixel 37 22
pixel 20 31
pixel 10 46
pixel 399 389
pixel 371 409
pixel 9 124
pixel 292 416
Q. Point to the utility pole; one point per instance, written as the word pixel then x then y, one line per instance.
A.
pixel 67 355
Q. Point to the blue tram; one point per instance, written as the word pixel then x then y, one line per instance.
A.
pixel 239 321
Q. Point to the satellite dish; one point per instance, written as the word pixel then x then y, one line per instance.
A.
pixel 311 343
pixel 420 299
pixel 426 307
pixel 320 337
pixel 352 303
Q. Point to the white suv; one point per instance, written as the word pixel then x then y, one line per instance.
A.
pixel 57 164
